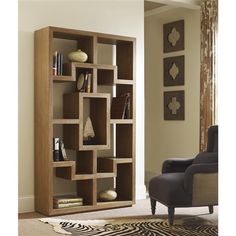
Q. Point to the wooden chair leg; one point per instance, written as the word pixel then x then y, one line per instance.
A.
pixel 171 212
pixel 211 209
pixel 153 205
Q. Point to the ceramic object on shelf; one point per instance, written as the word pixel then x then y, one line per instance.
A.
pixel 88 129
pixel 78 56
pixel 107 195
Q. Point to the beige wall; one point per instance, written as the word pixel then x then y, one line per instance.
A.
pixel 164 139
pixel 114 17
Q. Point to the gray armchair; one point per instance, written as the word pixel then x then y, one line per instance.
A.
pixel 188 182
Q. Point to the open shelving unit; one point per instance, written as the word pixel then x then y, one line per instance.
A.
pixel 61 111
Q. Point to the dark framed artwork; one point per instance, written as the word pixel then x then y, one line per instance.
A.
pixel 173 36
pixel 173 71
pixel 174 105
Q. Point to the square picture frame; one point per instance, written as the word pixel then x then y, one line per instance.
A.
pixel 173 71
pixel 174 105
pixel 173 36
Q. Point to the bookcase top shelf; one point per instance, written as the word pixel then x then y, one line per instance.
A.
pixel 73 34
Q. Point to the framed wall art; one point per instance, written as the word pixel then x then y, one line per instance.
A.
pixel 173 36
pixel 173 68
pixel 174 105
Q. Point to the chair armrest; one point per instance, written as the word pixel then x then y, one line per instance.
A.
pixel 206 168
pixel 172 165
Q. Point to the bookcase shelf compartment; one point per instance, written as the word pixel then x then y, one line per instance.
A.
pixel 61 111
pixel 84 42
pixel 124 60
pixel 109 165
pixel 68 172
pixel 98 109
pixel 122 89
pixel 124 147
pixel 86 162
pixel 125 181
pixel 107 76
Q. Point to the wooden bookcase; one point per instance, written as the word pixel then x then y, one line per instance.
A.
pixel 61 111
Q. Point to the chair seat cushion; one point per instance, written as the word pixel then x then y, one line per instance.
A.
pixel 168 189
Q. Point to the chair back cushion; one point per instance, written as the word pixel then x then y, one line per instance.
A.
pixel 212 144
pixel 206 157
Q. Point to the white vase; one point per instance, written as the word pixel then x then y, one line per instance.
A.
pixel 78 55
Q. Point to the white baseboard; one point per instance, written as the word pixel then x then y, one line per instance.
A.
pixel 140 192
pixel 26 204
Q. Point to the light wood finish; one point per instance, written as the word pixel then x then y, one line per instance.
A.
pixel 87 169
pixel 124 81
pixel 121 121
pixel 63 78
pixel 62 163
pixel 67 170
pixel 99 114
pixel 109 164
pixel 105 175
pixel 98 206
pixel 43 117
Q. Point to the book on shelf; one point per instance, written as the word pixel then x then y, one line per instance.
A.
pixel 84 82
pixel 59 152
pixel 128 107
pixel 89 81
pixel 56 151
pixel 57 68
pixel 70 204
pixel 120 107
pixel 66 199
pixel 63 151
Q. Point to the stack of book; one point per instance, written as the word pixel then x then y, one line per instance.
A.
pixel 67 201
pixel 57 63
pixel 120 107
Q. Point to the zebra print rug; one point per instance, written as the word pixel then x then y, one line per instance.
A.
pixel 130 228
